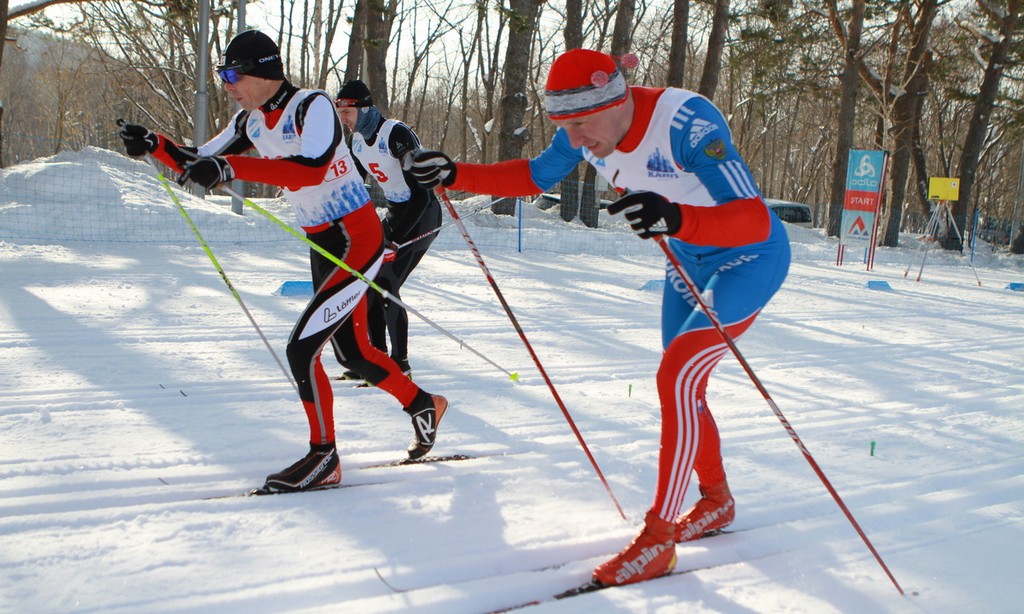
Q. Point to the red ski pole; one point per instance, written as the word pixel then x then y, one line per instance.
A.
pixel 443 195
pixel 694 291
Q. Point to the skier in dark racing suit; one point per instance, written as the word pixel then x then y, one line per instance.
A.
pixel 301 148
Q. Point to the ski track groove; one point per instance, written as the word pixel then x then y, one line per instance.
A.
pixel 516 586
pixel 32 506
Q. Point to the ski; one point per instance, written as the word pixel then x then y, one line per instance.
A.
pixel 551 567
pixel 262 491
pixel 592 585
pixel 424 460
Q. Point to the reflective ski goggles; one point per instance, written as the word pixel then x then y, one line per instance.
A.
pixel 232 74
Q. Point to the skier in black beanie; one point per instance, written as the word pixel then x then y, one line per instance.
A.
pixel 302 149
pixel 413 214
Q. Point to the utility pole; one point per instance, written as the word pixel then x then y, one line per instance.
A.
pixel 202 108
pixel 236 185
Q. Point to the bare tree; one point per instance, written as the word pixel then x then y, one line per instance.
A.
pixel 572 33
pixel 622 40
pixel 677 52
pixel 432 37
pixel 331 23
pixel 716 44
pixel 4 4
pixel 357 34
pixel 849 38
pixel 979 123
pixel 379 19
pixel 777 82
pixel 512 135
pixel 911 89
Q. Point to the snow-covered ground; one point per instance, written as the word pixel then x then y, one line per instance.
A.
pixel 133 388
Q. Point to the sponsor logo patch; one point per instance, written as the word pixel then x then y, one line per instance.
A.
pixel 700 129
pixel 660 166
pixel 288 132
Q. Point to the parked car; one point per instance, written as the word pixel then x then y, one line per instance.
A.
pixel 797 214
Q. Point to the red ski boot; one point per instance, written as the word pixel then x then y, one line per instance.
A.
pixel 651 554
pixel 715 510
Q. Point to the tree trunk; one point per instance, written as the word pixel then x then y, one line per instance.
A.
pixel 716 44
pixel 905 118
pixel 512 133
pixel 677 52
pixel 622 39
pixel 847 115
pixel 978 126
pixel 354 63
pixel 569 187
pixel 622 31
pixel 379 19
pixel 1017 243
pixel 4 5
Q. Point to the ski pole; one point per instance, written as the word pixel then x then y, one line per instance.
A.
pixel 522 335
pixel 447 224
pixel 694 291
pixel 223 275
pixel 369 282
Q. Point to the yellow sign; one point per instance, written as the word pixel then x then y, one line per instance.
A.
pixel 944 188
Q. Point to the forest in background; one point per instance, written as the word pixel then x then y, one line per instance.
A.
pixel 936 84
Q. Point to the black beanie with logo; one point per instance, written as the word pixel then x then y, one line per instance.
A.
pixel 354 94
pixel 254 53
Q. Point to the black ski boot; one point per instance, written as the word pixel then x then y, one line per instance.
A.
pixel 426 411
pixel 318 470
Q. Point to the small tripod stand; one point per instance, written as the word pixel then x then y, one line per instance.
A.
pixel 942 214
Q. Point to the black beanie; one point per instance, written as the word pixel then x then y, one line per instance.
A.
pixel 254 53
pixel 354 94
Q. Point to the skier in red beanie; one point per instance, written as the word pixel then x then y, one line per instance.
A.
pixel 669 152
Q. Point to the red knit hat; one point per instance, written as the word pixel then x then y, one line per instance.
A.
pixel 581 82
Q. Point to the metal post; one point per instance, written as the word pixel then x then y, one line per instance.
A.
pixel 236 185
pixel 202 98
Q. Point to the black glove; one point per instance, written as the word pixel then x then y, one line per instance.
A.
pixel 208 172
pixel 648 213
pixel 138 140
pixel 430 168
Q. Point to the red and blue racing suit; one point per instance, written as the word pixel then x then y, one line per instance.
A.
pixel 734 249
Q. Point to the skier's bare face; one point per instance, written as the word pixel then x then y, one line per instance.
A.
pixel 252 92
pixel 348 116
pixel 599 132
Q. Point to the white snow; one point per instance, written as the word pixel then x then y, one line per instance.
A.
pixel 134 388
